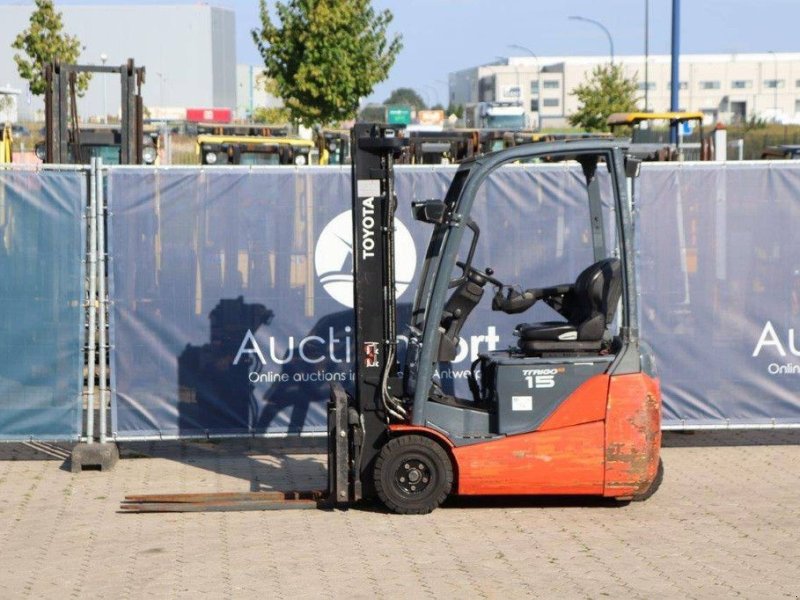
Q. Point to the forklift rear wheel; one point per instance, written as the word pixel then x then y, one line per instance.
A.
pixel 413 475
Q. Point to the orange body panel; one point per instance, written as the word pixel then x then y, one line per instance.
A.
pixel 560 461
pixel 633 434
pixel 604 439
pixel 584 405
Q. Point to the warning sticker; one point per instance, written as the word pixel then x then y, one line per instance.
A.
pixel 369 188
pixel 520 403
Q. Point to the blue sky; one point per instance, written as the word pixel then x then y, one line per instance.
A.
pixel 442 36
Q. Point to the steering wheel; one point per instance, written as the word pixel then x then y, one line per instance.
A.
pixel 479 277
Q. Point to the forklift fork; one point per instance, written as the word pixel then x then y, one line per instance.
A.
pixel 345 441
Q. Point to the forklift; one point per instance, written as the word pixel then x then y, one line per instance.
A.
pixel 68 142
pixel 650 134
pixel 573 408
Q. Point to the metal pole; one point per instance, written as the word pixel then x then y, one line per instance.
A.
pixel 646 54
pixel 674 102
pixel 91 303
pixel 103 59
pixel 102 342
pixel 538 84
pixel 250 107
pixel 601 26
pixel 435 92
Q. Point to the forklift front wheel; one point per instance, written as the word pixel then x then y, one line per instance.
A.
pixel 413 475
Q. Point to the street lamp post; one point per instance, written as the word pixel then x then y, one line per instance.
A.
pixel 103 59
pixel 424 96
pixel 601 26
pixel 447 87
pixel 538 83
pixel 435 92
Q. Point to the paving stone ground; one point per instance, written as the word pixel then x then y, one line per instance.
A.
pixel 725 523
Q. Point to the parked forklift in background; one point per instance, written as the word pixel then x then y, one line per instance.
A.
pixel 650 135
pixel 67 141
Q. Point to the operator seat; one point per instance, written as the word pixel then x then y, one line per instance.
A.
pixel 588 306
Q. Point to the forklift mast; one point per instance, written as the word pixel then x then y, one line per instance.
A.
pixel 375 149
pixel 60 106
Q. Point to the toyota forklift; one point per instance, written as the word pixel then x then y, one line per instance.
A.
pixel 574 408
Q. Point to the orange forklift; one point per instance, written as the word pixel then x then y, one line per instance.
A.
pixel 573 408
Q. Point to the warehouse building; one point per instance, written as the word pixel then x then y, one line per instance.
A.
pixel 188 51
pixel 726 87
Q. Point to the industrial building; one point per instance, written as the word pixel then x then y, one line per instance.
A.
pixel 188 51
pixel 726 87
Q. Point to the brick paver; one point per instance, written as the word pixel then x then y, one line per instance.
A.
pixel 725 523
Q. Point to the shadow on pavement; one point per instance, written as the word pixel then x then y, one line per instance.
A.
pixel 294 463
pixel 35 450
pixel 286 464
pixel 743 437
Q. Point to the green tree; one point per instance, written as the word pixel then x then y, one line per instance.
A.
pixel 373 113
pixel 43 43
pixel 270 115
pixel 325 55
pixel 406 97
pixel 456 109
pixel 6 103
pixel 606 91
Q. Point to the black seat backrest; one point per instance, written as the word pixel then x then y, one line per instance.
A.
pixel 595 297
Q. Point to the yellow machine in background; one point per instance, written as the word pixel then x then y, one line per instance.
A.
pixel 333 146
pixel 650 134
pixel 252 150
pixel 5 145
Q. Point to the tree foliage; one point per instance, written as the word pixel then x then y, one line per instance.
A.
pixel 6 103
pixel 325 55
pixel 270 115
pixel 373 113
pixel 407 97
pixel 273 115
pixel 43 43
pixel 605 92
pixel 456 109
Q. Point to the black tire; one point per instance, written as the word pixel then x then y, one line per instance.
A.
pixel 413 475
pixel 642 496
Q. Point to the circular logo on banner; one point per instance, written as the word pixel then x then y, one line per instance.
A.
pixel 333 258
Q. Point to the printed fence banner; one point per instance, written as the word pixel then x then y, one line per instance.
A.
pixel 41 295
pixel 719 269
pixel 232 288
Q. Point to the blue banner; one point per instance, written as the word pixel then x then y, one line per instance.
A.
pixel 41 296
pixel 232 289
pixel 720 282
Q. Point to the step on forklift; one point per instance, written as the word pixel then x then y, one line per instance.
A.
pixel 573 408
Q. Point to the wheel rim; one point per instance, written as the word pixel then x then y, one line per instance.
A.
pixel 413 476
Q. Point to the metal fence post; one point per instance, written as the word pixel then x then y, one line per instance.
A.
pixel 91 302
pixel 102 342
